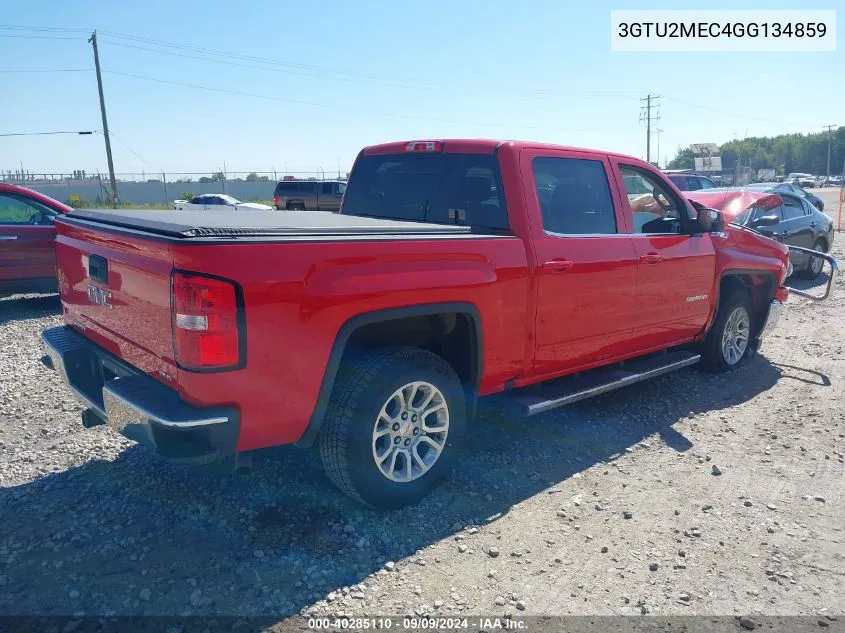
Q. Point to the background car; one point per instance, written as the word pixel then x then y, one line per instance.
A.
pixel 309 195
pixel 781 215
pixel 789 188
pixel 690 181
pixel 27 240
pixel 218 201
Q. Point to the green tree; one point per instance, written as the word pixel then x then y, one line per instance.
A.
pixel 684 159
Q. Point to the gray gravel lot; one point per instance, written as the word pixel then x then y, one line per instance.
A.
pixel 691 494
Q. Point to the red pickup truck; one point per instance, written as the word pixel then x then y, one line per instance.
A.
pixel 455 269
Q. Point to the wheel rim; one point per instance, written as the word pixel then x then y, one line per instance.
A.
pixel 735 336
pixel 816 263
pixel 410 431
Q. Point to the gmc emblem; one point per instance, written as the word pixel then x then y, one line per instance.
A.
pixel 99 296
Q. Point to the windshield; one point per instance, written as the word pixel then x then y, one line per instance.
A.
pixel 434 187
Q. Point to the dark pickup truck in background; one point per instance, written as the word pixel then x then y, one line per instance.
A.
pixel 455 270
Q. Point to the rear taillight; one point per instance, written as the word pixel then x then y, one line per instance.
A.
pixel 207 323
pixel 276 200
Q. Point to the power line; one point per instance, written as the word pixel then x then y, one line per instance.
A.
pixel 307 70
pixel 343 107
pixel 726 112
pixel 50 70
pixel 82 133
pixel 38 37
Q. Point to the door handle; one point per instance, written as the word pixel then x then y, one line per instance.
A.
pixel 651 258
pixel 813 224
pixel 558 265
pixel 8 238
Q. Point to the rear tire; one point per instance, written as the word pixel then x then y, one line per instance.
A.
pixel 815 265
pixel 394 425
pixel 728 344
pixel 296 206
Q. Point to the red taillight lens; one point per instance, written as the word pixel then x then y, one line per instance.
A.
pixel 206 322
pixel 276 200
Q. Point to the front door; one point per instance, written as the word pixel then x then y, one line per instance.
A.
pixel 587 267
pixel 27 239
pixel 676 262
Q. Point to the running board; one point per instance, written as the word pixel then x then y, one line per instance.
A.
pixel 563 391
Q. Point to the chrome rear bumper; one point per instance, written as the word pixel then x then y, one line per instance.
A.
pixel 136 405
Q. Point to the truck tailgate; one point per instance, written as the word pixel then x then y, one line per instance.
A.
pixel 115 289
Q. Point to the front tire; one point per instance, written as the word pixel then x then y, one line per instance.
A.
pixel 728 344
pixel 393 427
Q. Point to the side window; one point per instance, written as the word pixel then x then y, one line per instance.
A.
pixel 679 181
pixel 693 183
pixel 792 208
pixel 17 210
pixel 327 188
pixel 310 187
pixel 807 209
pixel 574 196
pixel 658 210
pixel 341 188
pixel 706 183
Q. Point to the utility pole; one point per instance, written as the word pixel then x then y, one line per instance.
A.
pixel 648 117
pixel 93 42
pixel 829 130
pixel 658 146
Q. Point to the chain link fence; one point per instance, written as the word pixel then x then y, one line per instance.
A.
pixel 159 190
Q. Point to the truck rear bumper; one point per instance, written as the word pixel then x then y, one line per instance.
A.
pixel 137 405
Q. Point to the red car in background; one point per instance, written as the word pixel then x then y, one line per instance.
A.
pixel 27 240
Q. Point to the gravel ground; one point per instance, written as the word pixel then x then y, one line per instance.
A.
pixel 691 494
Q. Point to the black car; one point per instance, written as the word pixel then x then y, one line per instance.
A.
pixel 796 223
pixel 789 187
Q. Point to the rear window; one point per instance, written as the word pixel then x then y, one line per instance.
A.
pixel 463 189
pixel 289 187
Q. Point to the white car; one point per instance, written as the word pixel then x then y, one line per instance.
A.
pixel 210 201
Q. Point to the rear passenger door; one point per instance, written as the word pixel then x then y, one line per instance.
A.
pixel 586 264
pixel 676 262
pixel 329 197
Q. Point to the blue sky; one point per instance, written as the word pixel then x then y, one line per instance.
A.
pixel 348 74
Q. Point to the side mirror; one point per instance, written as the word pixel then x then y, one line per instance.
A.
pixel 710 220
pixel 765 220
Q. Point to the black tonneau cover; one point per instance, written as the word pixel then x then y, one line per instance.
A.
pixel 254 222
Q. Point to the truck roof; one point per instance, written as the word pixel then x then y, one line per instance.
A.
pixel 481 146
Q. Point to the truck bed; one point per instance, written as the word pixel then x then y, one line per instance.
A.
pixel 186 224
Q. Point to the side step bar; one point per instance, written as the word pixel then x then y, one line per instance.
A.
pixel 563 391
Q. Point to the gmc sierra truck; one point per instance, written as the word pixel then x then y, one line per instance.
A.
pixel 455 270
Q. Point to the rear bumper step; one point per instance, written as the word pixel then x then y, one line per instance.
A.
pixel 571 389
pixel 137 405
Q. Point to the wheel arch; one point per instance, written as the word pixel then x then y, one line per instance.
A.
pixel 759 284
pixel 345 339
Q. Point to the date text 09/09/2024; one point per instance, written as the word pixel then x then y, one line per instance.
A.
pixel 417 623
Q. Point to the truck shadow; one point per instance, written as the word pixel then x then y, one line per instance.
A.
pixel 22 307
pixel 135 536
